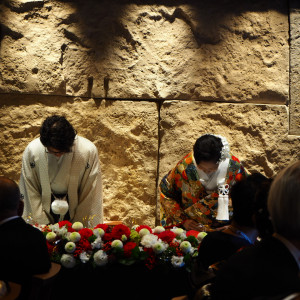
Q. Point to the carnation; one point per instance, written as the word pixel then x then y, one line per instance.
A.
pixel 50 237
pixel 186 247
pixel 99 232
pixel 177 261
pixel 74 237
pixel 201 236
pixel 167 236
pixel 97 243
pixel 117 244
pixel 70 247
pixel 84 257
pixel 158 229
pixel 68 261
pixel 100 258
pixel 149 240
pixel 77 226
pixel 86 233
pixel 119 230
pixel 128 247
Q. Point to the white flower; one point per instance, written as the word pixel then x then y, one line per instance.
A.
pixel 159 247
pixel 97 243
pixel 143 232
pixel 177 261
pixel 99 232
pixel 68 261
pixel 117 244
pixel 158 229
pixel 51 236
pixel 77 226
pixel 149 240
pixel 177 231
pixel 63 231
pixel 84 257
pixel 186 247
pixel 70 247
pixel 74 237
pixel 54 227
pixel 201 235
pixel 100 258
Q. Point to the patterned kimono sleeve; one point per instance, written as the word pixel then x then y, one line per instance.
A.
pixel 171 212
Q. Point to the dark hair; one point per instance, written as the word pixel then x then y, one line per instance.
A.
pixel 58 133
pixel 208 148
pixel 261 214
pixel 243 195
pixel 9 195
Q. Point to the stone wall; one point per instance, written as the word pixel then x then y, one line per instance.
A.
pixel 144 79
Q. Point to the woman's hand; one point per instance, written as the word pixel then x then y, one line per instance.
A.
pixel 190 224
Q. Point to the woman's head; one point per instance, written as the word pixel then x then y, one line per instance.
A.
pixel 57 134
pixel 284 202
pixel 208 148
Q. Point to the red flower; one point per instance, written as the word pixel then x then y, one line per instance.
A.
pixel 193 233
pixel 85 233
pixel 150 260
pixel 238 177
pixel 107 237
pixel 103 226
pixel 167 236
pixel 128 247
pixel 120 230
pixel 50 248
pixel 144 226
pixel 67 224
pixel 83 245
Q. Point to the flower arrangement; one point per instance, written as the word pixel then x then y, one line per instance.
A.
pixel 72 244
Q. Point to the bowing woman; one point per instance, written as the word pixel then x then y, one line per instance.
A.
pixel 61 176
pixel 195 193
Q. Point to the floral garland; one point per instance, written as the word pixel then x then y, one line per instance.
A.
pixel 72 244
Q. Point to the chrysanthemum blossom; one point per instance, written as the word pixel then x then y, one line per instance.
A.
pixel 70 247
pixel 177 261
pixel 124 238
pixel 186 247
pixel 99 232
pixel 100 258
pixel 51 236
pixel 77 226
pixel 201 236
pixel 117 244
pixel 68 261
pixel 144 232
pixel 74 237
pixel 159 247
pixel 158 229
pixel 178 231
pixel 149 240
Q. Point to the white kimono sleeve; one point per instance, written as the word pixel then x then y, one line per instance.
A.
pixel 90 204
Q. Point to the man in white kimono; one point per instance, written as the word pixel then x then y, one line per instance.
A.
pixel 61 176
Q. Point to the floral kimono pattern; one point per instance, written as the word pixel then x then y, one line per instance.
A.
pixel 182 195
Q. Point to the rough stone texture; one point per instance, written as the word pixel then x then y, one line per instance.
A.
pixel 295 68
pixel 125 133
pixel 213 50
pixel 257 133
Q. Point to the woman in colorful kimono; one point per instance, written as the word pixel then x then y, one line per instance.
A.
pixel 195 194
pixel 61 176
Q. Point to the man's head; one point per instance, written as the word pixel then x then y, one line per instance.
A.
pixel 57 135
pixel 9 198
pixel 243 195
pixel 284 202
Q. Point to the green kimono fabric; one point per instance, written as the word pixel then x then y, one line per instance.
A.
pixel 182 195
